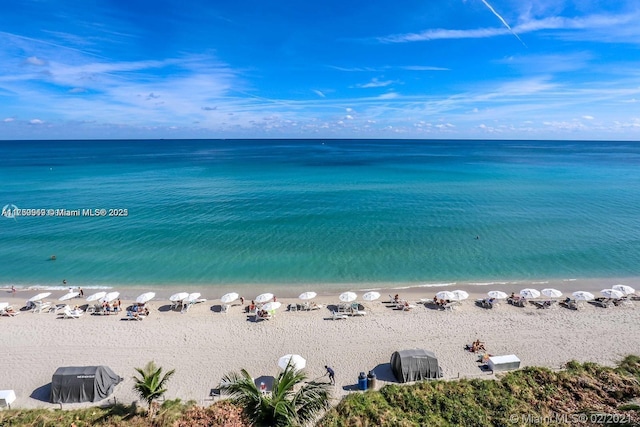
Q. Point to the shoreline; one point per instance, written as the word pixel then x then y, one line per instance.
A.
pixel 291 291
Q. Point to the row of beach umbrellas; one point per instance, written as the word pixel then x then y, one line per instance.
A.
pixel 617 291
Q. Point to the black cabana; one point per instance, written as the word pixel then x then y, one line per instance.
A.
pixel 75 384
pixel 415 365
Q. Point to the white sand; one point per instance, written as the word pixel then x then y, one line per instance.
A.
pixel 203 344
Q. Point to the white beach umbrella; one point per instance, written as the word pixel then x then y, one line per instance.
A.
pixel 193 296
pixel 307 295
pixel 110 296
pixel 69 295
pixel 296 361
pixel 445 295
pixel 39 297
pixel 270 306
pixel 611 293
pixel 229 298
pixel 264 297
pixel 627 290
pixel 348 296
pixel 497 294
pixel 96 296
pixel 146 297
pixel 551 293
pixel 529 293
pixel 178 297
pixel 371 296
pixel 582 296
pixel 459 295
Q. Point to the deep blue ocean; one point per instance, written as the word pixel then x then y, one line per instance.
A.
pixel 216 212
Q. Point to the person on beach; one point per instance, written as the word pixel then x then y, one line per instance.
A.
pixel 241 300
pixel 274 299
pixel 396 298
pixel 332 375
pixel 81 292
pixel 13 289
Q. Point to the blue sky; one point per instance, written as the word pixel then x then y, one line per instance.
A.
pixel 504 69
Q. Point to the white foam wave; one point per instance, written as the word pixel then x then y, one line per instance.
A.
pixel 61 288
pixel 569 280
pixel 488 283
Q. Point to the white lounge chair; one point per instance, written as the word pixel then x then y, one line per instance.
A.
pixel 337 316
pixel 72 314
pixel 7 310
pixel 41 307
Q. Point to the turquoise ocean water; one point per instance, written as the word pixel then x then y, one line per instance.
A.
pixel 290 212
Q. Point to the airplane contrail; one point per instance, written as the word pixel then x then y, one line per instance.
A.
pixel 503 21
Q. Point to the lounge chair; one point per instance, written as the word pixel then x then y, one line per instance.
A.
pixel 484 303
pixel 449 306
pixel 59 308
pixel 7 310
pixel 602 302
pixel 570 304
pixel 405 306
pixel 134 315
pixel 337 316
pixel 71 314
pixel 41 307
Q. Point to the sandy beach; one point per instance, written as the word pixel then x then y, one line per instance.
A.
pixel 204 344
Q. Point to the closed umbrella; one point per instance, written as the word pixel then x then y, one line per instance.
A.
pixel 307 295
pixel 611 293
pixel 446 295
pixel 627 290
pixel 296 361
pixel 262 298
pixel 146 297
pixel 371 296
pixel 96 296
pixel 229 298
pixel 497 294
pixel 39 297
pixel 551 293
pixel 110 296
pixel 68 296
pixel 270 306
pixel 529 293
pixel 582 296
pixel 178 297
pixel 348 296
pixel 459 295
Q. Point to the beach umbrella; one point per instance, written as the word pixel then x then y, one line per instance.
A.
pixel 627 290
pixel 497 294
pixel 178 297
pixel 229 298
pixel 193 296
pixel 270 306
pixel 264 298
pixel 296 361
pixel 69 295
pixel 348 296
pixel 96 296
pixel 39 297
pixel 551 293
pixel 371 296
pixel 446 295
pixel 146 297
pixel 582 296
pixel 110 296
pixel 459 295
pixel 529 293
pixel 307 295
pixel 611 293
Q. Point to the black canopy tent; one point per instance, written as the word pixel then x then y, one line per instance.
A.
pixel 75 384
pixel 415 365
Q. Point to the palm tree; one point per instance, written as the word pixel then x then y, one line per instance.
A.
pixel 290 403
pixel 150 385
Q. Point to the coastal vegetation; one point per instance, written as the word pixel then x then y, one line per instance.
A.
pixel 150 385
pixel 581 394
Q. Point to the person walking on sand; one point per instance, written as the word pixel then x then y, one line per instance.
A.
pixel 332 375
pixel 13 289
pixel 81 292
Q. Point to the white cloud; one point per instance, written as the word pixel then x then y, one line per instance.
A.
pixel 34 60
pixel 375 83
pixel 348 117
pixel 319 93
pixel 36 122
pixel 588 117
pixel 8 119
